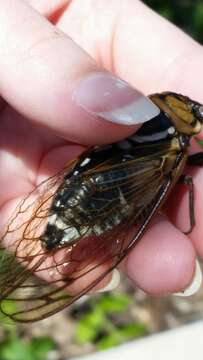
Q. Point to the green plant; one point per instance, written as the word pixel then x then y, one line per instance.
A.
pixel 13 347
pixel 100 324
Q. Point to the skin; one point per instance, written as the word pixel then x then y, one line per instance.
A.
pixel 38 134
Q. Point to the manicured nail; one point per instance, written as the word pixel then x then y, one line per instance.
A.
pixel 194 285
pixel 114 282
pixel 104 95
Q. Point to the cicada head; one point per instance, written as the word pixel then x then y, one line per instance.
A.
pixel 186 114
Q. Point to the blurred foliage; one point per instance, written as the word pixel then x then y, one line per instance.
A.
pixel 101 324
pixel 12 347
pixel 187 14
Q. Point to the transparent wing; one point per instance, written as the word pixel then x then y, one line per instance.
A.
pixel 34 283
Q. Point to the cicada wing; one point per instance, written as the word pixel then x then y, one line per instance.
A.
pixel 72 271
pixel 35 299
pixel 21 251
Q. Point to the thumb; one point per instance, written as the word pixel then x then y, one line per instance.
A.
pixel 49 79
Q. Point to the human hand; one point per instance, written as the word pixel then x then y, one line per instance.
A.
pixel 40 68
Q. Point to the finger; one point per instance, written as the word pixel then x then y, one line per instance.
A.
pixel 171 59
pixel 137 44
pixel 47 77
pixel 163 262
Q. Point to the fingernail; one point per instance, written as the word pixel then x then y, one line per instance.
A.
pixel 114 282
pixel 104 95
pixel 194 285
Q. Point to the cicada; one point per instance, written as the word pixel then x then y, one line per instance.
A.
pixel 78 225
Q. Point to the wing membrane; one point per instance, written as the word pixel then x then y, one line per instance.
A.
pixel 66 274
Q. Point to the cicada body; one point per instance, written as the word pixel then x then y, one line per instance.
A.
pixel 87 218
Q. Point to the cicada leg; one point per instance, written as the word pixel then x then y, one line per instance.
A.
pixel 187 180
pixel 195 159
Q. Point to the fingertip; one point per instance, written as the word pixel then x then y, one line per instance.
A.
pixel 163 262
pixel 194 285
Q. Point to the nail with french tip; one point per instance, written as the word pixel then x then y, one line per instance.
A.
pixel 114 282
pixel 194 286
pixel 106 96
